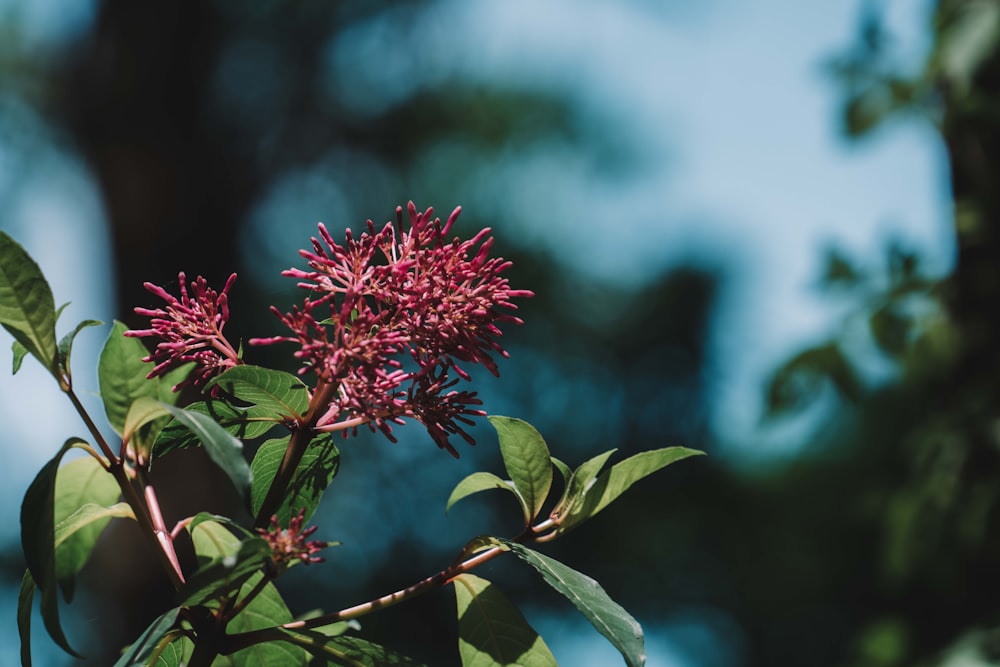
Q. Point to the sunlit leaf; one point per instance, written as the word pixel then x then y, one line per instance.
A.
pixel 224 450
pixel 315 471
pixel 20 351
pixel 66 344
pixel 491 631
pixel 121 374
pixel 579 483
pixel 79 483
pixel 619 478
pixel 144 647
pixel 480 481
pixel 27 309
pixel 175 654
pixel 143 410
pixel 606 615
pixel 38 541
pixel 526 458
pixel 273 394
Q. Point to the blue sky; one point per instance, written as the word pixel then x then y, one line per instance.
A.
pixel 742 164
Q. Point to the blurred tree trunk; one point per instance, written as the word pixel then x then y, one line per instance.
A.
pixel 133 101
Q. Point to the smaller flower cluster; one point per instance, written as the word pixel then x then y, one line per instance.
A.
pixel 392 314
pixel 290 544
pixel 190 329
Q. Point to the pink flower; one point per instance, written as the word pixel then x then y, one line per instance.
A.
pixel 288 544
pixel 391 314
pixel 190 329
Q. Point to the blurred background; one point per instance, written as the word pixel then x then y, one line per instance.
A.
pixel 763 229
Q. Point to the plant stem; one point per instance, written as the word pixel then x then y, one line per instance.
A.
pixel 301 437
pixel 244 639
pixel 163 536
pixel 116 466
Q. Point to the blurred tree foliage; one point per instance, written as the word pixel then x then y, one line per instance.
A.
pixel 922 481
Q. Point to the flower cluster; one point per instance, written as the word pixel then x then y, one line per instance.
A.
pixel 190 329
pixel 290 544
pixel 391 314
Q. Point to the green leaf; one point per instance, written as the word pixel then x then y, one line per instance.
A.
pixel 86 516
pixel 121 374
pixel 347 651
pixel 526 458
pixel 799 379
pixel 79 483
pixel 315 471
pixel 38 541
pixel 612 483
pixel 566 475
pixel 143 410
pixel 66 344
pixel 480 481
pixel 579 483
pixel 606 615
pixel 491 631
pixel 233 420
pixel 172 378
pixel 25 598
pixel 212 541
pixel 145 646
pixel 76 537
pixel 225 574
pixel 19 351
pixel 175 654
pixel 274 394
pixel 224 450
pixel 27 309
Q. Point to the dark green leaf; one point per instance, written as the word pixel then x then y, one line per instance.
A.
pixel 891 330
pixel 38 541
pixel 121 373
pixel 315 471
pixel 224 574
pixel 66 344
pixel 211 541
pixel 217 518
pixel 224 450
pixel 79 483
pixel 799 379
pixel 606 615
pixel 526 458
pixel 25 598
pixel 274 394
pixel 19 351
pixel 491 631
pixel 612 483
pixel 480 481
pixel 233 420
pixel 348 651
pixel 146 644
pixel 27 309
